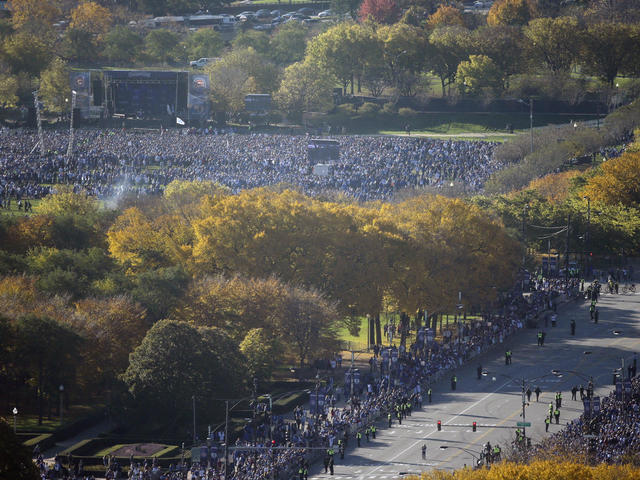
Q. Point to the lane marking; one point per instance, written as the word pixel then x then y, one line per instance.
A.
pixel 389 462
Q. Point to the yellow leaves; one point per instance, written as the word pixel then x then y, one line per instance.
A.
pixel 617 183
pixel 540 470
pixel 28 11
pixel 91 17
pixel 66 202
pixel 554 187
pixel 135 242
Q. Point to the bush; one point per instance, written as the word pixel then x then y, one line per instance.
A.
pixel 369 109
pixel 389 108
pixel 407 112
pixel 347 109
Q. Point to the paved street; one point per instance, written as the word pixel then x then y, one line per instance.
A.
pixel 495 402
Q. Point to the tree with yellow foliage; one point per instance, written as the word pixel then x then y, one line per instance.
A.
pixel 617 181
pixel 446 15
pixel 539 469
pixel 511 12
pixel 25 13
pixel 91 17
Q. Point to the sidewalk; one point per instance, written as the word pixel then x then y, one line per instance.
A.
pixel 93 432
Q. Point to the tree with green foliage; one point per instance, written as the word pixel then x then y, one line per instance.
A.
pixel 305 87
pixel 204 43
pixel 121 45
pixel 553 42
pixel 8 90
pixel 54 87
pixel 80 46
pixel 161 46
pixel 448 46
pixel 504 45
pixel 46 354
pixel 258 41
pixel 404 50
pixel 479 75
pixel 177 361
pixel 338 50
pixel 25 52
pixel 608 48
pixel 16 461
pixel 288 43
pixel 160 290
pixel 262 351
pixel 237 74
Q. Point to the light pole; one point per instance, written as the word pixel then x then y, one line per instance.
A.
pixel 523 383
pixel 473 453
pixel 588 239
pixel 15 419
pixel 61 388
pixel 530 103
pixel 73 107
pixel 193 402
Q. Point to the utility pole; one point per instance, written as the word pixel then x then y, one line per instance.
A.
pixel 73 107
pixel 226 439
pixel 531 121
pixel 566 251
pixel 524 234
pixel 588 239
pixel 524 419
pixel 193 400
pixel 36 102
pixel 352 371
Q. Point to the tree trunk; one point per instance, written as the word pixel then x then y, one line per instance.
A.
pixel 351 84
pixel 443 87
pixel 378 330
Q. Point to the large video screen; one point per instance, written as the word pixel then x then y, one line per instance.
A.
pixel 148 100
pixel 323 151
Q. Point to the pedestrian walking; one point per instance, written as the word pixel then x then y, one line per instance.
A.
pixel 424 451
pixel 573 326
pixel 429 394
pixel 556 413
pixel 454 382
pixel 538 392
pixel 528 394
pixel 596 315
pixel 574 391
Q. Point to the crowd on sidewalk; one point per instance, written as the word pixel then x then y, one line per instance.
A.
pixel 611 435
pixel 402 381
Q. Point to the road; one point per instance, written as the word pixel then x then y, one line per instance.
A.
pixel 495 401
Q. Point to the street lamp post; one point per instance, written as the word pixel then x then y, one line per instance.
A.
pixel 588 233
pixel 15 419
pixel 61 388
pixel 470 452
pixel 530 103
pixel 71 131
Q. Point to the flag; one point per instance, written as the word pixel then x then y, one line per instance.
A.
pixel 179 121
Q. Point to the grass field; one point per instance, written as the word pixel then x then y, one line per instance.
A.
pixel 359 342
pixel 29 422
pixel 459 125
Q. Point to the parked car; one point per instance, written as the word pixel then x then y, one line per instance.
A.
pixel 306 11
pixel 325 13
pixel 276 13
pixel 262 13
pixel 201 62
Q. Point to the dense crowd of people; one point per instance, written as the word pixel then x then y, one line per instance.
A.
pixel 400 380
pixel 107 163
pixel 616 428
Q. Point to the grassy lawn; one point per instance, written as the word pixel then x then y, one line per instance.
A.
pixel 14 212
pixel 359 342
pixel 29 422
pixel 469 125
